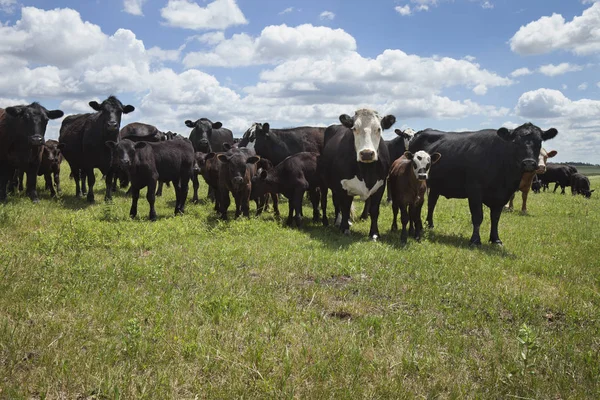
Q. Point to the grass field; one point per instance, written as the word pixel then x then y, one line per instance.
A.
pixel 588 170
pixel 94 305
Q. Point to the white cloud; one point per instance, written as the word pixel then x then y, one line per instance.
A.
pixel 580 36
pixel 583 86
pixel 422 7
pixel 487 5
pixel 287 11
pixel 156 53
pixel 219 14
pixel 7 6
pixel 211 38
pixel 469 58
pixel 510 125
pixel 562 68
pixel 564 86
pixel 133 7
pixel 548 103
pixel 404 10
pixel 521 72
pixel 327 15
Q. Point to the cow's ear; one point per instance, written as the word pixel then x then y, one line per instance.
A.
pixel 110 144
pixel 552 153
pixel 549 134
pixel 217 125
pixel 347 121
pixel 95 105
pixel 61 146
pixel 140 145
pixel 505 134
pixel 53 114
pixel 227 146
pixel 399 133
pixel 210 156
pixel 14 111
pixel 253 160
pixel 189 124
pixel 263 174
pixel 388 121
pixel 409 155
pixel 435 157
pixel 223 158
pixel 128 108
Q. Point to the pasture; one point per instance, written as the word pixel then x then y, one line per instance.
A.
pixel 94 305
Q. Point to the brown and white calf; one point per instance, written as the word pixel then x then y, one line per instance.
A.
pixel 407 185
pixel 527 179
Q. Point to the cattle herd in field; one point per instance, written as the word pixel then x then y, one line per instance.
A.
pixel 486 167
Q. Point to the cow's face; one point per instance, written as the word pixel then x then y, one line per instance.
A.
pixel 405 135
pixel 122 153
pixel 238 168
pixel 527 143
pixel 259 185
pixel 421 162
pixel 51 154
pixel 367 126
pixel 201 133
pixel 34 119
pixel 249 137
pixel 111 111
pixel 588 193
pixel 544 156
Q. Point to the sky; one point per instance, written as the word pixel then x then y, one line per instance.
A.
pixel 445 64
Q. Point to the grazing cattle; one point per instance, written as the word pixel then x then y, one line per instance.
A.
pixel 239 165
pixel 208 136
pixel 355 162
pixel 527 179
pixel 580 184
pixel 22 130
pixel 560 174
pixel 292 177
pixel 485 167
pixel 147 162
pixel 407 184
pixel 278 144
pixel 262 199
pixel 82 142
pixel 536 184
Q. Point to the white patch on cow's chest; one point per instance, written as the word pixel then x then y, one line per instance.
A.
pixel 250 145
pixel 356 187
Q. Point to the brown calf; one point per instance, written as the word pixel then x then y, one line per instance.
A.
pixel 527 179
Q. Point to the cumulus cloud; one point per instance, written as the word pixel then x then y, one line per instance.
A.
pixel 327 15
pixel 521 72
pixel 549 103
pixel 487 5
pixel 580 36
pixel 7 6
pixel 133 7
pixel 287 11
pixel 219 14
pixel 583 86
pixel 403 10
pixel 562 68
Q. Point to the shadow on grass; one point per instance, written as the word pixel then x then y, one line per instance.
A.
pixel 463 243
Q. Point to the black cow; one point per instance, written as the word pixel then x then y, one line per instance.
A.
pixel 262 197
pixel 485 167
pixel 580 184
pixel 50 166
pixel 22 130
pixel 278 144
pixel 292 177
pixel 560 174
pixel 140 132
pixel 208 136
pixel 536 184
pixel 82 142
pixel 239 165
pixel 147 162
pixel 355 162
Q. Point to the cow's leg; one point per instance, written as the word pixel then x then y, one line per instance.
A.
pixel 224 203
pixel 21 175
pixel 495 213
pixel 345 205
pixel 91 180
pixel 196 186
pixel 431 202
pixel 211 194
pixel 109 184
pixel 374 212
pixel 555 187
pixel 13 183
pixel 314 200
pixel 394 227
pixel 297 201
pixel 365 213
pixel 275 199
pixel 510 205
pixel 84 183
pixel 562 189
pixel 49 185
pixel 32 182
pixel 135 195
pixel 245 203
pixel 476 208
pixel 185 187
pixel 6 175
pixel 57 181
pixel 324 205
pixel 414 211
pixel 404 218
pixel 260 204
pixel 524 205
pixel 151 197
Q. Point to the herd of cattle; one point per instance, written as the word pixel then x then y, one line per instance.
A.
pixel 486 167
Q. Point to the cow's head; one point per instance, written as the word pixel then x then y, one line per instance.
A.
pixel 51 153
pixel 543 157
pixel 249 137
pixel 527 142
pixel 123 152
pixel 259 180
pixel 111 111
pixel 367 126
pixel 588 193
pixel 201 133
pixel 238 164
pixel 421 162
pixel 34 120
pixel 406 135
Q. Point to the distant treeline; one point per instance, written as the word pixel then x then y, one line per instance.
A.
pixel 578 164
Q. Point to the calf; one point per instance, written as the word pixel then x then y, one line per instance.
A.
pixel 407 184
pixel 147 162
pixel 580 184
pixel 50 166
pixel 527 179
pixel 239 165
pixel 292 177
pixel 536 185
pixel 262 199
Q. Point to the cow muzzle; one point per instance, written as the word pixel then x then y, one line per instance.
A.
pixel 237 181
pixel 541 169
pixel 529 165
pixel 422 177
pixel 36 140
pixel 367 156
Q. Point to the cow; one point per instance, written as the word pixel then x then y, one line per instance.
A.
pixel 580 184
pixel 147 162
pixel 278 144
pixel 262 197
pixel 484 166
pixel 527 179
pixel 292 177
pixel 239 165
pixel 536 184
pixel 407 185
pixel 209 167
pixel 355 162
pixel 560 174
pixel 82 141
pixel 208 136
pixel 50 166
pixel 22 131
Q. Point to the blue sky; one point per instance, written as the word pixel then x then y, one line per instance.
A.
pixel 450 65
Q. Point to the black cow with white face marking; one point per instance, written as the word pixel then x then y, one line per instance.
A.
pixel 355 162
pixel 484 166
pixel 22 130
pixel 208 136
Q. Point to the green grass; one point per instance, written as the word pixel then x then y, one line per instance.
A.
pixel 94 305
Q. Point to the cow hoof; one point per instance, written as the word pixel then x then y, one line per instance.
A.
pixel 132 216
pixel 347 232
pixel 325 222
pixel 35 201
pixel 523 212
pixel 475 243
pixel 374 237
pixel 496 242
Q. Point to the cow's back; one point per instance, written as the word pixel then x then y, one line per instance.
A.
pixel 220 136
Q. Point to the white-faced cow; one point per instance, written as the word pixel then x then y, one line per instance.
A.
pixel 485 167
pixel 355 162
pixel 526 183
